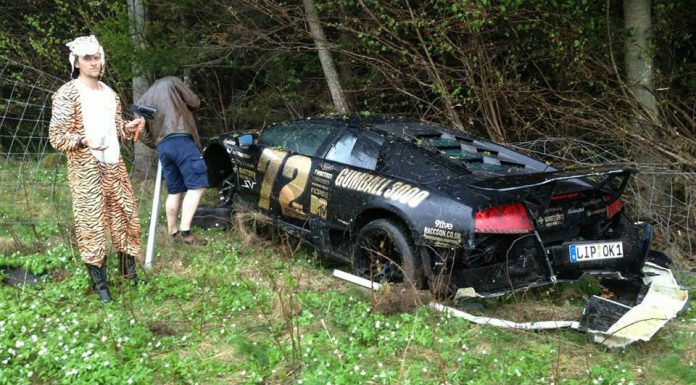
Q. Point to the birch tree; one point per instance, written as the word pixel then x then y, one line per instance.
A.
pixel 638 59
pixel 137 16
pixel 325 57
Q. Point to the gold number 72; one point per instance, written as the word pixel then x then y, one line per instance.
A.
pixel 296 167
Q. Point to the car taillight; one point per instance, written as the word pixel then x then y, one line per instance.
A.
pixel 614 207
pixel 506 219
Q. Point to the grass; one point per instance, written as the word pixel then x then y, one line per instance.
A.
pixel 245 311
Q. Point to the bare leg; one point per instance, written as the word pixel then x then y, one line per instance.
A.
pixel 172 207
pixel 188 208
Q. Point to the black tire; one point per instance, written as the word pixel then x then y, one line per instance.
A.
pixel 626 231
pixel 384 253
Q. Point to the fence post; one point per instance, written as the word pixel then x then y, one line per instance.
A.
pixel 152 235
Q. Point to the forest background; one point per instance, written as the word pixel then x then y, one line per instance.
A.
pixel 574 82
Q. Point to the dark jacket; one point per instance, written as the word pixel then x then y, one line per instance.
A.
pixel 173 101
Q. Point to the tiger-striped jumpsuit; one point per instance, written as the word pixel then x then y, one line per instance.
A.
pixel 102 195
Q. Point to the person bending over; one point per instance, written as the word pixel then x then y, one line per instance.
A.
pixel 173 133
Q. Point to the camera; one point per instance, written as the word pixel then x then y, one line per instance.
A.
pixel 147 112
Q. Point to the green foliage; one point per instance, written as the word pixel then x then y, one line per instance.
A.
pixel 40 263
pixel 253 62
pixel 53 161
pixel 230 313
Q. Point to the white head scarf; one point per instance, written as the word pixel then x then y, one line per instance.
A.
pixel 85 45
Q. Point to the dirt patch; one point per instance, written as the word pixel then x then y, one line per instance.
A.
pixel 162 328
pixel 221 352
pixel 400 299
pixel 532 311
pixel 8 246
pixel 312 280
pixel 251 226
pixel 59 275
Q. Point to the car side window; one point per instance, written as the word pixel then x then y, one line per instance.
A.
pixel 357 150
pixel 302 138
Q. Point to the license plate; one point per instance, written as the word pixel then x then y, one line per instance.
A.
pixel 580 252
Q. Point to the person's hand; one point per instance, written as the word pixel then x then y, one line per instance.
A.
pixel 136 124
pixel 87 142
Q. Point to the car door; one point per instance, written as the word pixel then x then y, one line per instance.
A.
pixel 354 154
pixel 287 160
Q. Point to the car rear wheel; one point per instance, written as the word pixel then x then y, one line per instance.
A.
pixel 383 253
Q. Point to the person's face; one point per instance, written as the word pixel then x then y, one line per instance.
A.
pixel 89 65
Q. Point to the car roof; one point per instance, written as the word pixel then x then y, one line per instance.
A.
pixel 461 147
pixel 395 125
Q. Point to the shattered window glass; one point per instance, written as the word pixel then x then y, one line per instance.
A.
pixel 413 163
pixel 304 138
pixel 340 151
pixel 362 151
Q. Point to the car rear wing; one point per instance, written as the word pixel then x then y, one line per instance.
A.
pixel 538 188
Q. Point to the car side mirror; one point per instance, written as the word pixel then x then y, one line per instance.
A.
pixel 245 141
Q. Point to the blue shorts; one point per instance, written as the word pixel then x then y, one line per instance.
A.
pixel 182 164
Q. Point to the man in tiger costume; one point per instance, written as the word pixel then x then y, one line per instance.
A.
pixel 86 124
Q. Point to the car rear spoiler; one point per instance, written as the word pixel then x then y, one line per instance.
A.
pixel 538 188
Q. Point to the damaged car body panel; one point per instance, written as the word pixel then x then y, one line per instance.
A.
pixel 403 200
pixel 408 201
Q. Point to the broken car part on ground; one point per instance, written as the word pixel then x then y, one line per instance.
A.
pixel 608 322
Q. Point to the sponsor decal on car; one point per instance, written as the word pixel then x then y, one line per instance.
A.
pixel 241 154
pixel 553 216
pixel 245 164
pixel 317 206
pixel 245 173
pixel 379 186
pixel 442 234
pixel 319 192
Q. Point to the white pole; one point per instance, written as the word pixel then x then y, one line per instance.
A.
pixel 356 280
pixel 152 236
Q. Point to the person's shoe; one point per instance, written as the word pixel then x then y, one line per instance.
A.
pixel 188 238
pixel 126 267
pixel 99 279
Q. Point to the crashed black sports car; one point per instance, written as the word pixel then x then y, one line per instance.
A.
pixel 404 200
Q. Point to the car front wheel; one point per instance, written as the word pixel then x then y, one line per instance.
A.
pixel 384 253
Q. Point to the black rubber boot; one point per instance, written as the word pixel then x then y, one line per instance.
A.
pixel 126 267
pixel 99 278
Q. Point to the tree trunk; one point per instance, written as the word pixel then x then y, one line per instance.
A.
pixel 651 191
pixel 638 59
pixel 144 157
pixel 325 58
pixel 345 69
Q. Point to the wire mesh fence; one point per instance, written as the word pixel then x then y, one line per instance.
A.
pixel 35 206
pixel 35 203
pixel 659 194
